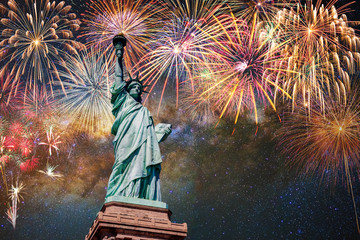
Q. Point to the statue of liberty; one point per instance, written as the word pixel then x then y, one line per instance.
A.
pixel 137 165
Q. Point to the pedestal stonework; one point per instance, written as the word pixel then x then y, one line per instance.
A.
pixel 126 221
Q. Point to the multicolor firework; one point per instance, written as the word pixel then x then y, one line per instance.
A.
pixel 20 151
pixel 322 49
pixel 246 64
pixel 38 105
pixel 87 99
pixel 33 41
pixel 258 10
pixel 135 19
pixel 180 45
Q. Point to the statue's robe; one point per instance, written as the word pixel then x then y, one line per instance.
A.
pixel 137 155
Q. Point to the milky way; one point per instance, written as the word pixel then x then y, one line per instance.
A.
pixel 223 184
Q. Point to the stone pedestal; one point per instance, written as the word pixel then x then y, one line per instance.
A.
pixel 126 221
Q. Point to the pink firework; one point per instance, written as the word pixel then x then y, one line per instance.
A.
pixel 29 165
pixel 25 146
pixel 180 45
pixel 247 66
pixel 53 140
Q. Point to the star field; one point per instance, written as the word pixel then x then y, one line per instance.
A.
pixel 225 184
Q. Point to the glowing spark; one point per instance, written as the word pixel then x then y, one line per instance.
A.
pixel 241 66
pixel 15 198
pixel 52 140
pixel 50 172
pixel 176 49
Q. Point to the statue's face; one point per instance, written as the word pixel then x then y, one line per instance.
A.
pixel 135 90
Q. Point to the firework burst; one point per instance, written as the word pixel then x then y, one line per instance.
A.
pixel 53 140
pixel 180 45
pixel 247 66
pixel 322 48
pixel 134 19
pixel 87 99
pixel 200 107
pixel 332 139
pixel 34 37
pixel 328 144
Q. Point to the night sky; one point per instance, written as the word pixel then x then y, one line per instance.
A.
pixel 223 185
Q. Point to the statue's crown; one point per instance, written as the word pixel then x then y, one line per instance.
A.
pixel 136 80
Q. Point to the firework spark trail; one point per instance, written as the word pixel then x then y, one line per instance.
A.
pixel 50 172
pixel 135 19
pixel 52 140
pixel 39 105
pixel 180 45
pixel 196 11
pixel 6 94
pixel 3 161
pixel 33 40
pixel 246 65
pixel 15 198
pixel 88 103
pixel 258 10
pixel 322 48
pixel 19 140
pixel 200 107
pixel 332 140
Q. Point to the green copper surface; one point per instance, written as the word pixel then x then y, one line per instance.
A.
pixel 136 170
pixel 137 201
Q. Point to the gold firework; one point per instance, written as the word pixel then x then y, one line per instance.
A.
pixel 33 42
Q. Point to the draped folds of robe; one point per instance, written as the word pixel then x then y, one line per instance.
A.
pixel 137 155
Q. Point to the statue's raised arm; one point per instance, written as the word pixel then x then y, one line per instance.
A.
pixel 119 42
